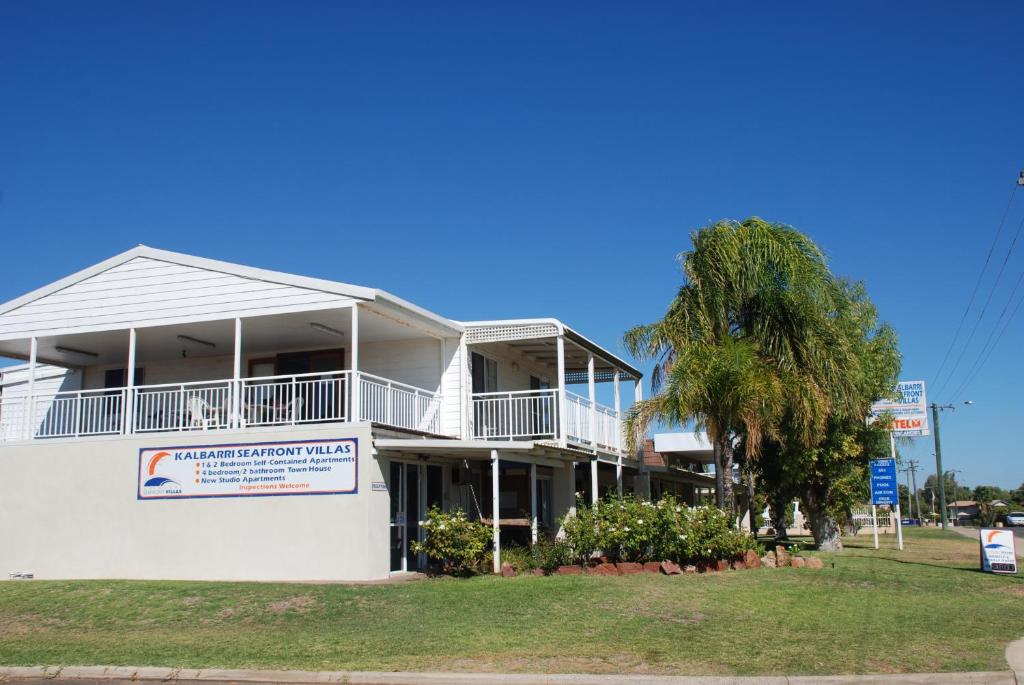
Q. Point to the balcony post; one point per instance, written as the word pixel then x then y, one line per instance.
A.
pixel 562 436
pixel 618 433
pixel 495 513
pixel 592 396
pixel 128 401
pixel 30 399
pixel 236 386
pixel 355 388
pixel 533 503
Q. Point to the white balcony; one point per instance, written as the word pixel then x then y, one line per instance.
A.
pixel 221 405
pixel 534 415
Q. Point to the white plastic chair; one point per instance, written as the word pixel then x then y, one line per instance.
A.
pixel 201 414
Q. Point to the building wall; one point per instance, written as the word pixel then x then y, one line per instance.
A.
pixel 69 510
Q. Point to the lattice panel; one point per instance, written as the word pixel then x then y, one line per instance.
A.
pixel 502 333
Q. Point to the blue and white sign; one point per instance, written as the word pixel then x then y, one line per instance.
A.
pixel 998 553
pixel 883 482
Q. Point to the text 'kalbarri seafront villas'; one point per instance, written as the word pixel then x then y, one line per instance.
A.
pixel 180 417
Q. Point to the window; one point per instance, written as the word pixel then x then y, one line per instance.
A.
pixel 485 373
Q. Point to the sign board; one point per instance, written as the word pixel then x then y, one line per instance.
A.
pixel 261 469
pixel 883 482
pixel 909 410
pixel 998 553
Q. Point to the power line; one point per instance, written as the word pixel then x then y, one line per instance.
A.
pixel 988 300
pixel 970 378
pixel 974 293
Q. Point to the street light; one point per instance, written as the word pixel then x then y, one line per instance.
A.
pixel 938 459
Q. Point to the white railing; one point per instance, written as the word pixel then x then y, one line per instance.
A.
pixel 517 414
pixel 533 414
pixel 219 405
pixel 608 429
pixel 399 405
pixel 65 414
pixel 182 406
pixel 577 419
pixel 302 398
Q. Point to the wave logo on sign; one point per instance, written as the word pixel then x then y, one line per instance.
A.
pixel 157 483
pixel 994 545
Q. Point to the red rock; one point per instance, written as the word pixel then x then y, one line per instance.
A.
pixel 814 562
pixel 507 571
pixel 797 562
pixel 781 556
pixel 738 565
pixel 721 565
pixel 604 570
pixel 670 568
pixel 751 560
pixel 652 567
pixel 570 570
pixel 627 567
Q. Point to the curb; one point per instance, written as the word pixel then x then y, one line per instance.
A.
pixel 1015 658
pixel 128 674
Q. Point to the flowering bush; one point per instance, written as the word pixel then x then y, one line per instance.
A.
pixel 630 529
pixel 461 545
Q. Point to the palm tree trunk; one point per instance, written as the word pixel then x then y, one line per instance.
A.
pixel 716 448
pixel 750 500
pixel 727 462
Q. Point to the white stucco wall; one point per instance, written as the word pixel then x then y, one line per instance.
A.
pixel 69 509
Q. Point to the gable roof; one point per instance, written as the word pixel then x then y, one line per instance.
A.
pixel 344 289
pixel 290 290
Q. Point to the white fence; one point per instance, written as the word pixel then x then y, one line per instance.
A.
pixel 219 405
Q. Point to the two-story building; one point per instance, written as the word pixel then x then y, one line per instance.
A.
pixel 181 417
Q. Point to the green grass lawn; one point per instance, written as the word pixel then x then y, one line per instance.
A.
pixel 926 609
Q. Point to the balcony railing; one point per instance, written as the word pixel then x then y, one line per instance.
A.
pixel 533 415
pixel 522 414
pixel 219 405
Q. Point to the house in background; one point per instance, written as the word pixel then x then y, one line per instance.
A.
pixel 173 410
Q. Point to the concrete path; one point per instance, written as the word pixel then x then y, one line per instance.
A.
pixel 110 675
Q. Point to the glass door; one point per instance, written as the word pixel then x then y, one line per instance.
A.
pixel 413 488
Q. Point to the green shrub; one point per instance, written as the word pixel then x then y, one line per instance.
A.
pixel 630 529
pixel 461 545
pixel 548 555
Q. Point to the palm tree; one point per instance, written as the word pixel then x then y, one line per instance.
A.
pixel 747 338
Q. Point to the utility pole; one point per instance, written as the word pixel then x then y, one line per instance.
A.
pixel 910 502
pixel 912 467
pixel 938 462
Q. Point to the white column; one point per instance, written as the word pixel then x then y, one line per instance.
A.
pixel 533 503
pixel 495 513
pixel 128 401
pixel 354 408
pixel 592 396
pixel 619 437
pixel 562 423
pixel 236 387
pixel 593 480
pixel 33 351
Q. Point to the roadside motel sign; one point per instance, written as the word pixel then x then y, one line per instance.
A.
pixel 998 552
pixel 883 482
pixel 909 410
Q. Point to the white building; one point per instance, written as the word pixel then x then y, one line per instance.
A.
pixel 173 409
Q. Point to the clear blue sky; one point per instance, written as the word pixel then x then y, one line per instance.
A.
pixel 533 159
